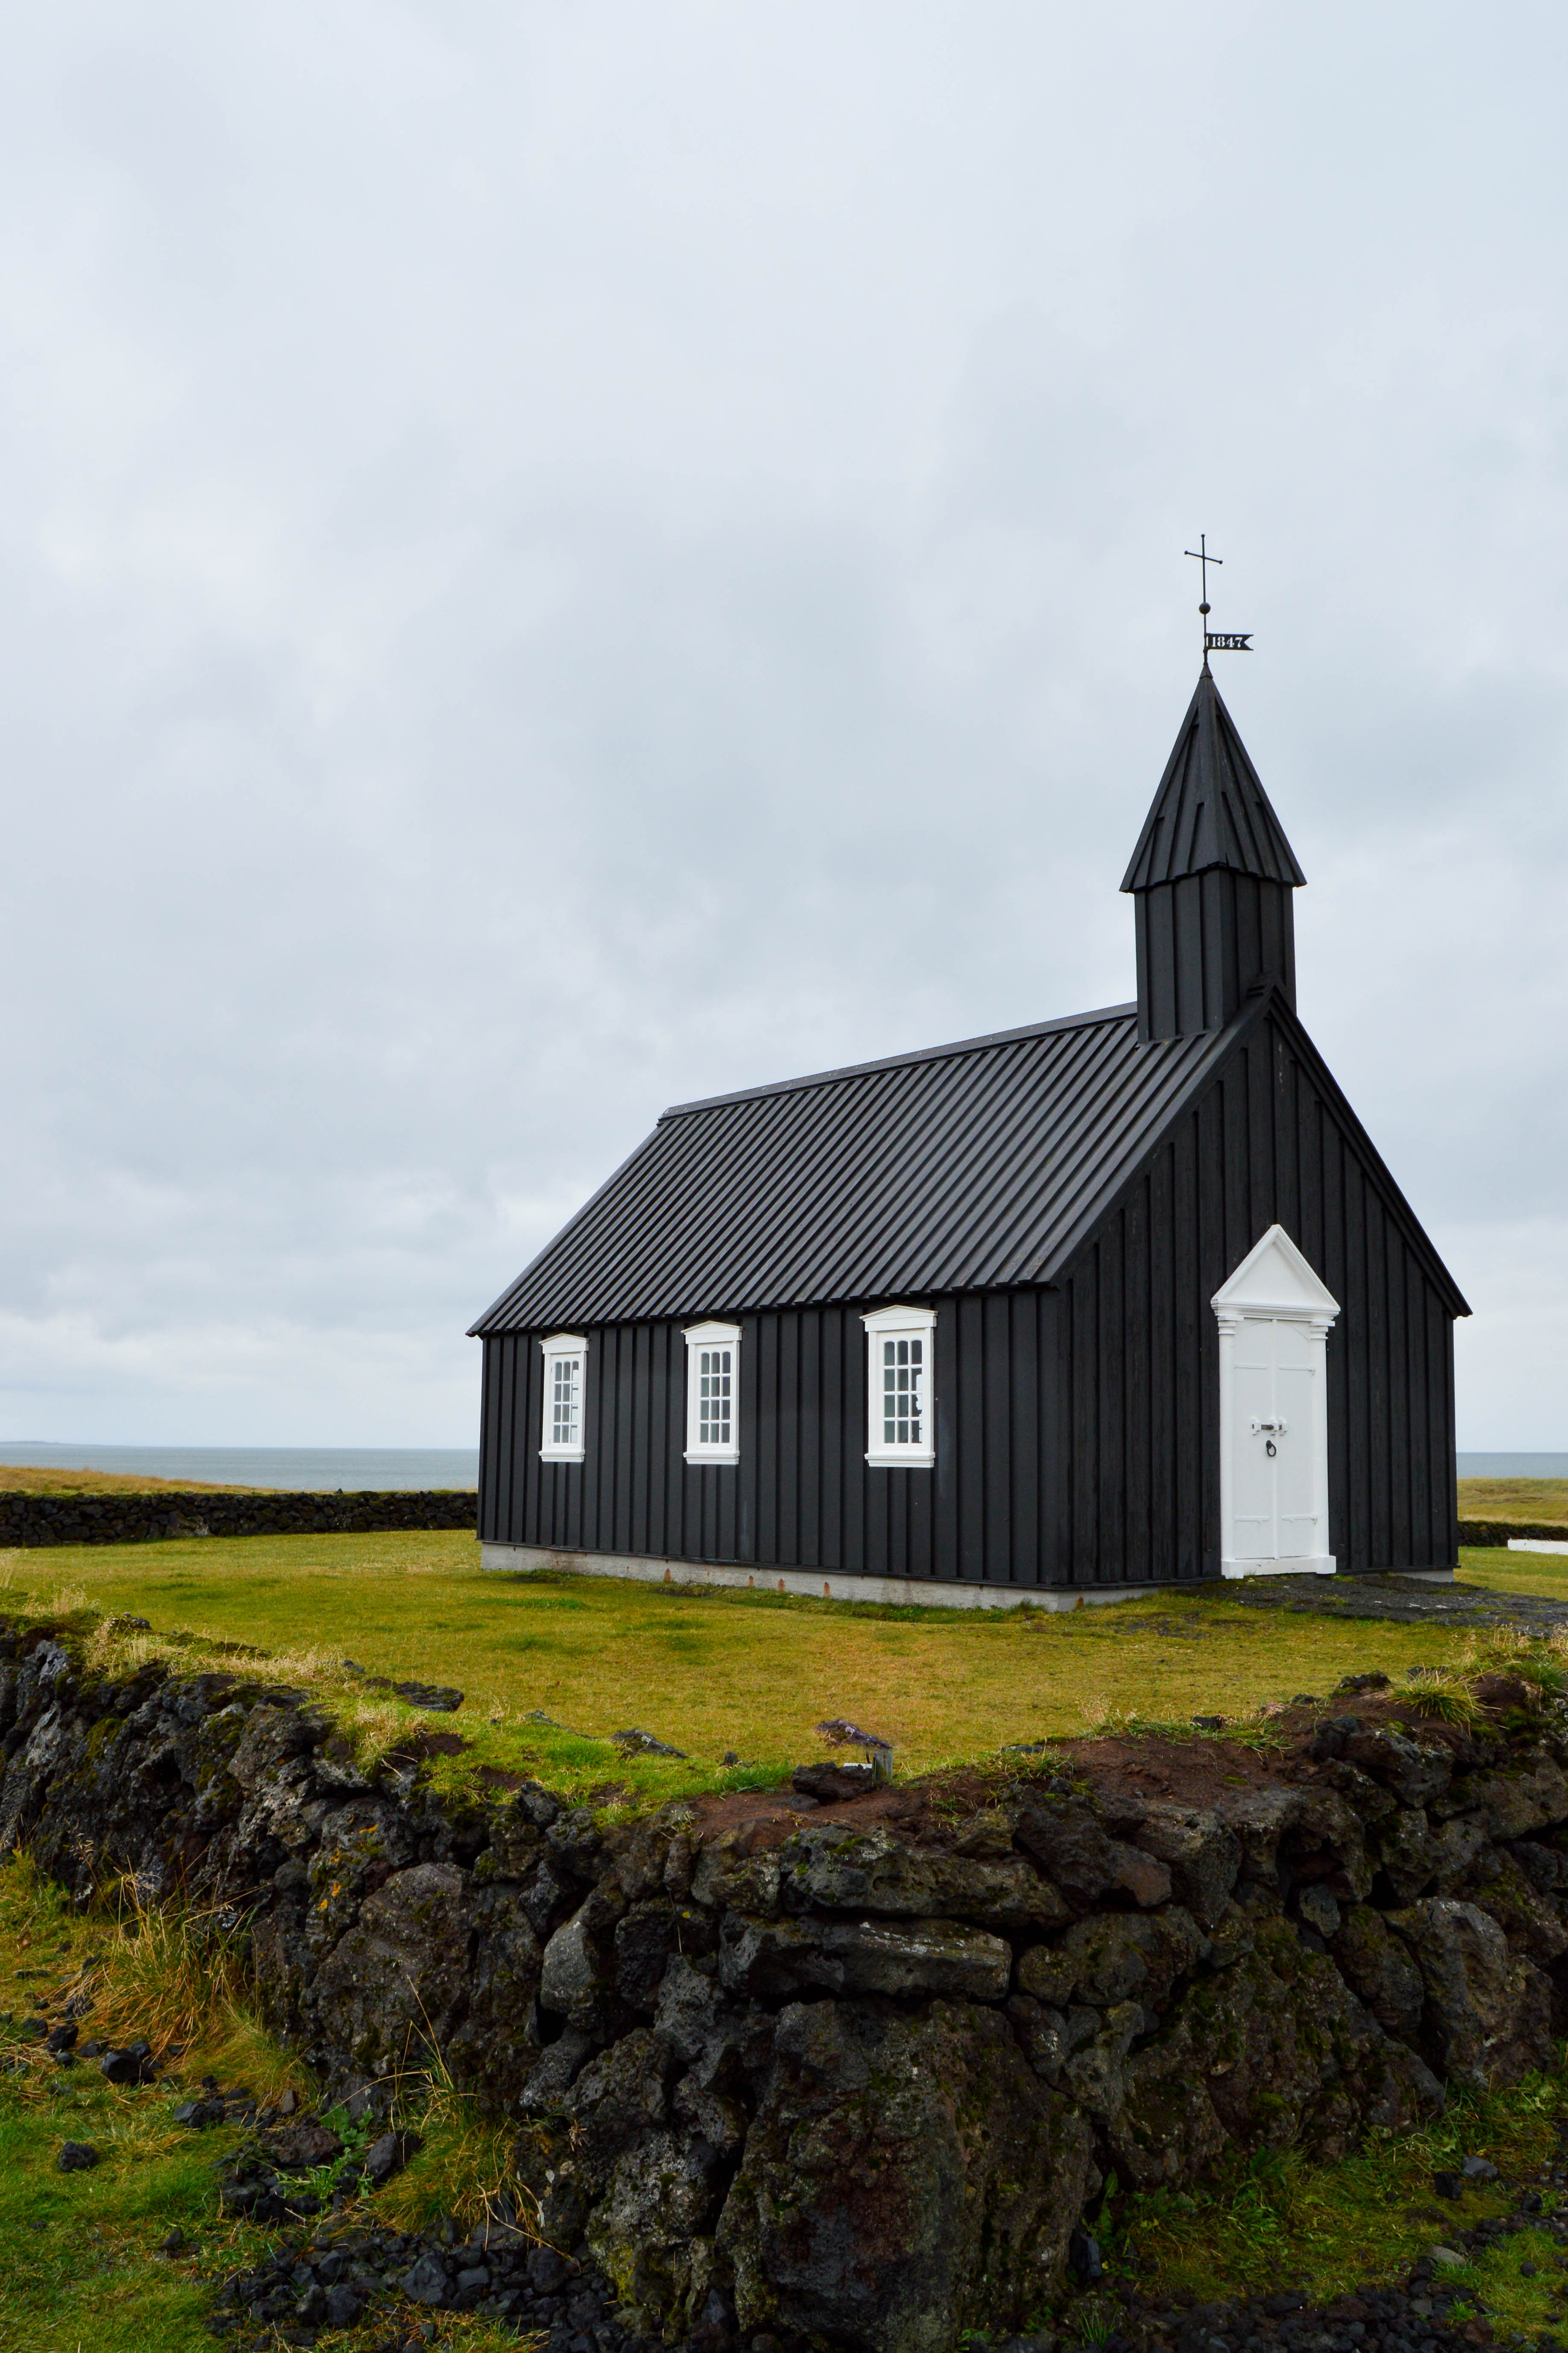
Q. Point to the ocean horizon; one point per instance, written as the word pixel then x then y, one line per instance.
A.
pixel 323 1470
pixel 1514 1466
pixel 309 1470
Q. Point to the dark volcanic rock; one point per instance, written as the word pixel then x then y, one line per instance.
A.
pixel 777 1958
pixel 829 1867
pixel 1377 1965
pixel 1274 2050
pixel 1064 1839
pixel 828 1783
pixel 1120 1957
pixel 887 2152
pixel 426 2281
pixel 1488 2009
pixel 386 2156
pixel 299 2148
pixel 131 2066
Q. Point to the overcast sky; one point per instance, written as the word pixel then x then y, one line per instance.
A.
pixel 558 559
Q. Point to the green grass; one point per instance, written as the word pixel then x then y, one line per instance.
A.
pixel 1275 2220
pixel 78 2251
pixel 79 2268
pixel 709 1670
pixel 1501 1571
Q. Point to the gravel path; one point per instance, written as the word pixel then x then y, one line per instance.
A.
pixel 1406 1599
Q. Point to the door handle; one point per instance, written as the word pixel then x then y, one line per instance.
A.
pixel 1277 1428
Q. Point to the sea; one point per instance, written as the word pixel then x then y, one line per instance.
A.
pixel 315 1470
pixel 1514 1466
pixel 321 1470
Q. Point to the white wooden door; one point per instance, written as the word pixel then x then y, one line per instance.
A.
pixel 1274 1314
pixel 1273 1436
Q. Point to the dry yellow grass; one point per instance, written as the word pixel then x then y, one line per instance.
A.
pixel 1514 1499
pixel 30 1479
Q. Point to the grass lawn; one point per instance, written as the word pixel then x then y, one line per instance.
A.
pixel 1544 1501
pixel 1505 1571
pixel 708 1671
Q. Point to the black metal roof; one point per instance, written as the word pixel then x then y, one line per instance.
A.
pixel 1211 808
pixel 959 1167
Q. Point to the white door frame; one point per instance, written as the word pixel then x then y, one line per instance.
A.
pixel 1275 1284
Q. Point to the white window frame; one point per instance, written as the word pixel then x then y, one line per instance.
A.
pixel 697 1338
pixel 895 1323
pixel 558 1346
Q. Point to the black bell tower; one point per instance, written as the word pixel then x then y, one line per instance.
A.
pixel 1210 881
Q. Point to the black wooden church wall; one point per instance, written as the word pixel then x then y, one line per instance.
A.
pixel 1136 1468
pixel 1077 1428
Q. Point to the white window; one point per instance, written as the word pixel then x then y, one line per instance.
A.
pixel 713 1393
pixel 565 1357
pixel 900 1344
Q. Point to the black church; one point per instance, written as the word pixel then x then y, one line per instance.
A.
pixel 1097 1304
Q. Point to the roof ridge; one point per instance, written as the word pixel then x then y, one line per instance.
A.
pixel 902 1061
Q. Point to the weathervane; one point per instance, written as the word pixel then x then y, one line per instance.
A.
pixel 1215 641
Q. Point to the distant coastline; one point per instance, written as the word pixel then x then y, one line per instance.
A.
pixel 321 1470
pixel 312 1470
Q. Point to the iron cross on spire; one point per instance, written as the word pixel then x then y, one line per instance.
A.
pixel 1215 641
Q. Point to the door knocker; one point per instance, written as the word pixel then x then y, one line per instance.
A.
pixel 1269 1447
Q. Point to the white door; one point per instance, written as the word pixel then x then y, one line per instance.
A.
pixel 1275 1423
pixel 1274 1316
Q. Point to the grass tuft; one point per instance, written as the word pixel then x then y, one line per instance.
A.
pixel 465 2165
pixel 1441 1694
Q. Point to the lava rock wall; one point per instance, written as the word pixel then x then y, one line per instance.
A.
pixel 1500 1531
pixel 847 2073
pixel 157 1518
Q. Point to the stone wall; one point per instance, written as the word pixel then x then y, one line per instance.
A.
pixel 1497 1531
pixel 844 2063
pixel 153 1518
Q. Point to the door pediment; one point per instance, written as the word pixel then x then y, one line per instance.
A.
pixel 1274 1279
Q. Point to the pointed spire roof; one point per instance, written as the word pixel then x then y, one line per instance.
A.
pixel 1211 808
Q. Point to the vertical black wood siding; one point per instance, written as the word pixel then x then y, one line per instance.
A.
pixel 803 1494
pixel 1139 1366
pixel 1203 941
pixel 1077 1429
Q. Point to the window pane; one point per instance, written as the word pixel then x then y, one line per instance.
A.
pixel 565 1400
pixel 904 1388
pixel 715 1369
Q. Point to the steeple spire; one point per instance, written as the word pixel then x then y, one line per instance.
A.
pixel 1211 879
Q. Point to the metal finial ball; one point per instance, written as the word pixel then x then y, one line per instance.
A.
pixel 1203 608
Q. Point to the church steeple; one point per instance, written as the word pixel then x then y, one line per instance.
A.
pixel 1210 881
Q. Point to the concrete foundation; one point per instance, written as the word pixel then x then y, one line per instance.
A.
pixel 902 1592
